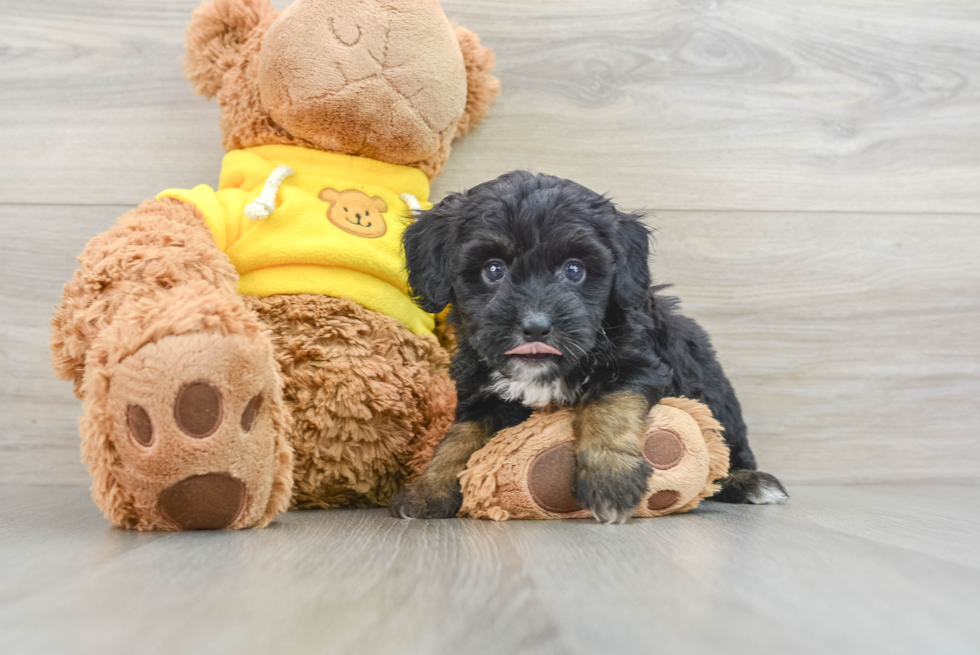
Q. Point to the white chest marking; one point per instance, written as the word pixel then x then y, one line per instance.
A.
pixel 533 393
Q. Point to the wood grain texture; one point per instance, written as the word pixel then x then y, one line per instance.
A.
pixel 682 104
pixel 39 413
pixel 852 340
pixel 839 569
pixel 741 105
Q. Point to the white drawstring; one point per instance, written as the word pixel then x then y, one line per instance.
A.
pixel 265 203
pixel 411 201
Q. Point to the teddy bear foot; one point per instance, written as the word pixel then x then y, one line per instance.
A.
pixel 191 419
pixel 531 471
pixel 188 432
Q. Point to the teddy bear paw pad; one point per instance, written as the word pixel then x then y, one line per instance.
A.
pixel 140 424
pixel 661 500
pixel 663 449
pixel 204 502
pixel 198 409
pixel 550 478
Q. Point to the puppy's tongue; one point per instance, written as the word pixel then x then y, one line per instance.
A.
pixel 534 348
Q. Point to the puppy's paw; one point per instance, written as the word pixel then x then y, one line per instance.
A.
pixel 610 484
pixel 751 487
pixel 425 501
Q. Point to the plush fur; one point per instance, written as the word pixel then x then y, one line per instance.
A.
pixel 151 308
pixel 370 400
pixel 342 77
pixel 159 245
pixel 623 345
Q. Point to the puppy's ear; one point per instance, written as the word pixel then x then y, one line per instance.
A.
pixel 428 245
pixel 214 39
pixel 632 277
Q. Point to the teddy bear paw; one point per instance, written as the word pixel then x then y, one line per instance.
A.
pixel 195 422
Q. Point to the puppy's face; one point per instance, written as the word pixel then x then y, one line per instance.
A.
pixel 531 288
pixel 531 264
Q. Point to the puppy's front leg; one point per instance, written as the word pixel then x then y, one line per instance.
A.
pixel 610 472
pixel 436 493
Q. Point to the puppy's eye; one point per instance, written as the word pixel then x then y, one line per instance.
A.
pixel 494 271
pixel 574 271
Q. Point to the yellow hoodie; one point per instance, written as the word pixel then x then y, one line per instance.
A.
pixel 334 227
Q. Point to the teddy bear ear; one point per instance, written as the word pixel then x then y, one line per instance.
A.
pixel 481 84
pixel 214 38
pixel 380 203
pixel 329 195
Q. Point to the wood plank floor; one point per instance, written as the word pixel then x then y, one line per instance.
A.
pixel 847 569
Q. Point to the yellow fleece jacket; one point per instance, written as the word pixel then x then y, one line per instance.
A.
pixel 335 227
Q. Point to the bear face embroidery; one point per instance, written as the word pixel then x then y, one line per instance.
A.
pixel 356 212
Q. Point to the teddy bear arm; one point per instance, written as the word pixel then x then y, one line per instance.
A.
pixel 183 420
pixel 157 246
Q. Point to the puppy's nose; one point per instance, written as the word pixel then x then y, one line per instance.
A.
pixel 536 327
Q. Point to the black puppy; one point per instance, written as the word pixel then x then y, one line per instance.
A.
pixel 552 305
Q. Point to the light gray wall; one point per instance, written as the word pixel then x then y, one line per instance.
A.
pixel 813 170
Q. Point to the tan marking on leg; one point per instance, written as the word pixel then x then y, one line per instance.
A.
pixel 611 474
pixel 613 423
pixel 436 493
pixel 462 440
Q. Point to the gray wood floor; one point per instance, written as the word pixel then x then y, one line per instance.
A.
pixel 860 569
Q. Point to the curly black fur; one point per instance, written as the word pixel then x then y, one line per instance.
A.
pixel 615 331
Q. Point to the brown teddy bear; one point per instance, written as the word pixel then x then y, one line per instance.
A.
pixel 244 349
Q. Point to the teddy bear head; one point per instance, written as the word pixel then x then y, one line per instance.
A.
pixel 391 80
